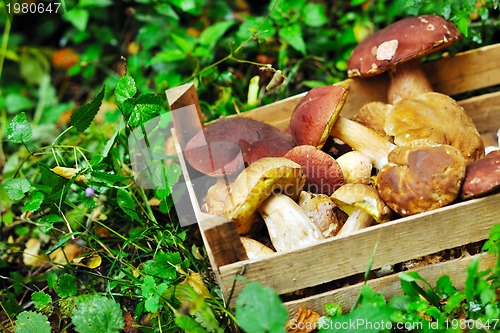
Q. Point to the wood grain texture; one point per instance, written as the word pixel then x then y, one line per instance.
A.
pixel 392 242
pixel 390 285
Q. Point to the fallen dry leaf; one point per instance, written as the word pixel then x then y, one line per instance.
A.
pixel 305 321
pixel 30 253
pixel 65 58
pixel 91 260
pixel 196 281
pixel 64 255
pixel 69 173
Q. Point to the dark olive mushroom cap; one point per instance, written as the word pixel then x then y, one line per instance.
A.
pixel 404 40
pixel 482 176
pixel 314 116
pixel 323 173
pixel 216 149
pixel 420 177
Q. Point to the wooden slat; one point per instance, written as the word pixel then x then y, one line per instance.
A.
pixel 395 241
pixel 467 71
pixel 390 286
pixel 484 111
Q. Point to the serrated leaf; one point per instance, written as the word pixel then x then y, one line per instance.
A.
pixel 34 202
pixel 16 188
pixel 97 314
pixel 293 35
pixel 314 15
pixel 125 89
pixel 143 108
pixel 31 322
pixel 83 116
pixel 40 299
pixel 126 203
pixel 66 285
pixel 213 33
pixel 163 265
pixel 19 129
pixel 257 301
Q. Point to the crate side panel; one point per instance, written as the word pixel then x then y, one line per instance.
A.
pixel 391 243
pixel 484 111
pixel 390 286
pixel 467 71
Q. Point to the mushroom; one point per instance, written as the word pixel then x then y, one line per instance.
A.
pixel 316 117
pixel 288 225
pixel 435 117
pixel 255 249
pixel 372 115
pixel 421 176
pixel 225 145
pixel 356 167
pixel 482 176
pixel 323 173
pixel 269 186
pixel 363 205
pixel 323 212
pixel 398 49
pixel 215 198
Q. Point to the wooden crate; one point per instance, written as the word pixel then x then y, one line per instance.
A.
pixel 389 243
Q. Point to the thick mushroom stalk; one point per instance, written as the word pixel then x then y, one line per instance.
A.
pixel 288 226
pixel 363 205
pixel 255 249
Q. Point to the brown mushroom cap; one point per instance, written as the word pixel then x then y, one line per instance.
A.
pixel 216 149
pixel 421 176
pixel 435 117
pixel 314 116
pixel 482 176
pixel 402 41
pixel 372 115
pixel 323 173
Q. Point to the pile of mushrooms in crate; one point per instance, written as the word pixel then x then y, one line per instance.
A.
pixel 417 152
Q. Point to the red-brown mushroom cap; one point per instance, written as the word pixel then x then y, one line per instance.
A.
pixel 314 116
pixel 222 146
pixel 323 173
pixel 482 176
pixel 404 40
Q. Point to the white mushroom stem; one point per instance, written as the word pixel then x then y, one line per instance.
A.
pixel 363 140
pixel 407 80
pixel 289 227
pixel 357 220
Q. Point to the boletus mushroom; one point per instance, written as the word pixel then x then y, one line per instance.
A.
pixel 363 205
pixel 421 176
pixel 482 176
pixel 398 48
pixel 323 212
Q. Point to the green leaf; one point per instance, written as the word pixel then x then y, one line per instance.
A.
pixel 259 309
pixel 19 129
pixel 213 33
pixel 143 108
pixel 189 325
pixel 314 15
pixel 66 285
pixel 293 35
pixel 108 178
pixel 152 293
pixel 97 314
pixel 126 203
pixel 163 265
pixel 78 18
pixel 31 322
pixel 363 320
pixel 188 6
pixel 34 65
pixel 16 188
pixel 34 202
pixel 125 89
pixel 83 116
pixel 17 102
pixel 40 299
